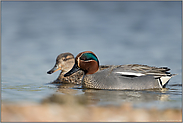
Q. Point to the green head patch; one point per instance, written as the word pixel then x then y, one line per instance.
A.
pixel 89 56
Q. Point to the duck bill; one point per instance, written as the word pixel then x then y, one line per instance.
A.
pixel 54 69
pixel 73 70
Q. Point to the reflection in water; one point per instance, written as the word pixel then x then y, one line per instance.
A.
pixel 114 97
pixel 67 88
pixel 118 97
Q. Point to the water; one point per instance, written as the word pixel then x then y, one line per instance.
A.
pixel 34 33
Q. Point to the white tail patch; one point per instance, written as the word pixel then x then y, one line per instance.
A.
pixel 164 79
pixel 160 83
pixel 130 73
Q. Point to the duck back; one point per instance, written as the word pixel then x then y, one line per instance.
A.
pixel 127 77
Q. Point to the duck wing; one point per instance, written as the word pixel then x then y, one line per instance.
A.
pixel 136 70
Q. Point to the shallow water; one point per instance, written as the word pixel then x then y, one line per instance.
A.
pixel 34 33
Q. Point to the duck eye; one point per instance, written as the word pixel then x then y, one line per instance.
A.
pixel 83 58
pixel 64 59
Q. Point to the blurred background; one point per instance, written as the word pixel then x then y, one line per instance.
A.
pixel 34 33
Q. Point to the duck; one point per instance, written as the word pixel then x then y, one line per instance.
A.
pixel 64 63
pixel 119 77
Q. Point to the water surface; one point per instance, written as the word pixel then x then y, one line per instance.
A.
pixel 34 33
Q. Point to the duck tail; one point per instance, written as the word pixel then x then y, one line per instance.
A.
pixel 163 80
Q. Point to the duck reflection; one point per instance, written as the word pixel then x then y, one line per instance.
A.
pixel 114 97
pixel 105 97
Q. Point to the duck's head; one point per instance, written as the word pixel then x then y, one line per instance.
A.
pixel 86 61
pixel 64 62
